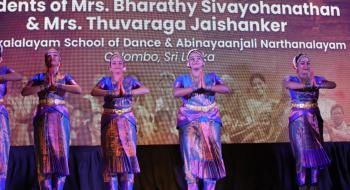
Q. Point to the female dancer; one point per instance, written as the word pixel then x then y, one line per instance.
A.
pixel 199 123
pixel 305 122
pixel 118 124
pixel 51 122
pixel 6 74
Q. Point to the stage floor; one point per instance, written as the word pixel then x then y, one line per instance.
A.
pixel 248 167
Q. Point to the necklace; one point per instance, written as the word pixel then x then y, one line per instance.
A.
pixel 194 78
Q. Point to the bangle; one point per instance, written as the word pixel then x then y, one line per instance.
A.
pixel 194 88
pixel 109 92
pixel 59 85
pixel 308 85
pixel 323 84
pixel 128 92
pixel 209 87
pixel 42 87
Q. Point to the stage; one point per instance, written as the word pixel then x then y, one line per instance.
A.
pixel 248 167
